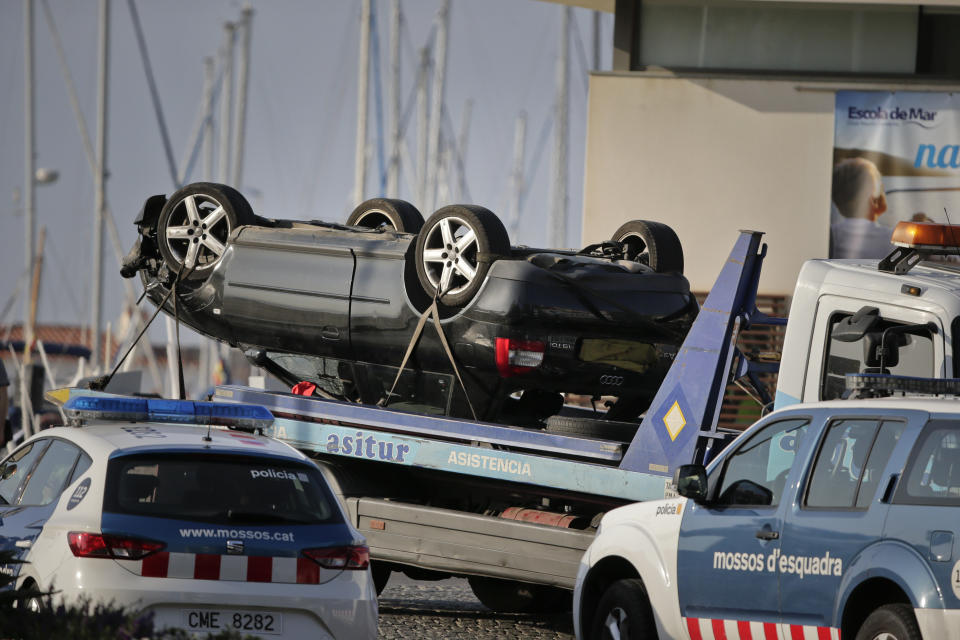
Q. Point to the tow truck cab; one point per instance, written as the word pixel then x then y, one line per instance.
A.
pixel 857 316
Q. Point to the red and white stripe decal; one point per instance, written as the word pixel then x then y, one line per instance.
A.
pixel 211 566
pixel 711 629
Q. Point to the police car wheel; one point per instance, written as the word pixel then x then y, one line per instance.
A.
pixel 890 622
pixel 623 614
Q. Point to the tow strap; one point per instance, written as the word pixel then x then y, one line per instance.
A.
pixel 431 312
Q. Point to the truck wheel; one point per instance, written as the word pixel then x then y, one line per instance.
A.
pixel 389 213
pixel 623 614
pixel 510 596
pixel 651 243
pixel 890 622
pixel 381 575
pixel 593 428
pixel 454 251
pixel 194 226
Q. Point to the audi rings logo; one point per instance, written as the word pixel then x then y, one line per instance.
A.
pixel 612 381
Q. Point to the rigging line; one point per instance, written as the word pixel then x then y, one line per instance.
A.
pixel 535 162
pixel 196 135
pixel 71 87
pixel 378 96
pixel 331 117
pixel 65 274
pixel 453 144
pixel 13 296
pixel 154 95
pixel 581 54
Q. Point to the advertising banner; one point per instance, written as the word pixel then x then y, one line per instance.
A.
pixel 896 157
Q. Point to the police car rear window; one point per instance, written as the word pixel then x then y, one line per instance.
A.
pixel 932 476
pixel 218 489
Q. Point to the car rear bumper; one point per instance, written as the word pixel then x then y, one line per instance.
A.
pixel 344 607
pixel 942 624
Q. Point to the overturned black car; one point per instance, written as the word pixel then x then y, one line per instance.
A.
pixel 341 306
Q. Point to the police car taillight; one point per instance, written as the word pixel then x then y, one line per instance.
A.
pixel 518 356
pixel 94 545
pixel 245 417
pixel 350 557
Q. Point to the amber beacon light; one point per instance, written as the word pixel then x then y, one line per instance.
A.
pixel 924 235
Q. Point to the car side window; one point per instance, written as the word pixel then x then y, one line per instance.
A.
pixel 906 355
pixel 17 467
pixel 847 469
pixel 755 474
pixel 50 476
pixel 932 475
pixel 80 468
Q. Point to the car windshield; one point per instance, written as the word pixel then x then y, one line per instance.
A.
pixel 220 489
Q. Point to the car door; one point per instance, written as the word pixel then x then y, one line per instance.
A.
pixel 726 568
pixel 45 468
pixel 840 513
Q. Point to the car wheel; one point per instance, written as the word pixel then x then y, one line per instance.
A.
pixel 388 213
pixel 510 596
pixel 381 575
pixel 195 223
pixel 593 428
pixel 623 614
pixel 651 243
pixel 454 251
pixel 890 622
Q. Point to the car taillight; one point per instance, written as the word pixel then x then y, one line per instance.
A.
pixel 95 545
pixel 352 557
pixel 518 356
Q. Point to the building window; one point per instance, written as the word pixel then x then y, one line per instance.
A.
pixel 777 36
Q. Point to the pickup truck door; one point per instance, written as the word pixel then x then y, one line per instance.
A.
pixel 726 568
pixel 835 513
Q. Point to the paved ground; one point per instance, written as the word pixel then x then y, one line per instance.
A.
pixel 448 610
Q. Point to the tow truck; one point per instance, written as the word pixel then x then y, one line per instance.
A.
pixel 513 509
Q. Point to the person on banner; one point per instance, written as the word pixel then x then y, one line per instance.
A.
pixel 858 200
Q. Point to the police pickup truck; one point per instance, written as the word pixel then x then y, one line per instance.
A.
pixel 822 521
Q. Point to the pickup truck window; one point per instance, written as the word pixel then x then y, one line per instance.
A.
pixel 933 472
pixel 851 459
pixel 914 357
pixel 756 472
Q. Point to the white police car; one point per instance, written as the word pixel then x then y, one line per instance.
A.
pixel 822 521
pixel 208 528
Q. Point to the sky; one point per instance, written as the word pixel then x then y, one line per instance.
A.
pixel 302 106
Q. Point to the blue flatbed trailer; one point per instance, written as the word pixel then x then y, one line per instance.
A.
pixel 437 496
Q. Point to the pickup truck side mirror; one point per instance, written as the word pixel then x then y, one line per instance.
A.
pixel 691 482
pixel 853 328
pixel 7 470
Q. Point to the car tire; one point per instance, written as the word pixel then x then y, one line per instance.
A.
pixel 381 575
pixel 651 243
pixel 890 622
pixel 614 430
pixel 511 596
pixel 195 223
pixel 388 213
pixel 454 251
pixel 623 613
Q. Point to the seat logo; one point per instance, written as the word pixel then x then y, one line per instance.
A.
pixel 613 381
pixel 234 547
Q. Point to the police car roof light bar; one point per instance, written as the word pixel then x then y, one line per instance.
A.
pixel 242 417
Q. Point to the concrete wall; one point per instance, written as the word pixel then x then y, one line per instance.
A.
pixel 710 155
